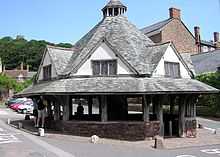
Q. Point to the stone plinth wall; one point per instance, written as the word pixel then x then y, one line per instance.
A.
pixel 131 131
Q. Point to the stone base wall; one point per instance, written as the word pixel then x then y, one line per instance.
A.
pixel 131 131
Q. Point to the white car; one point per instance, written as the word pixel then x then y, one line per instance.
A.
pixel 26 107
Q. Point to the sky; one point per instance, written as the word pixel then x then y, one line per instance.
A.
pixel 68 20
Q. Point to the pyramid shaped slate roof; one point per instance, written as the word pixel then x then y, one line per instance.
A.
pixel 125 38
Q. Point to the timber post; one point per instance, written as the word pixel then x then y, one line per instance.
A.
pixel 146 101
pixel 182 111
pixel 66 107
pixel 90 102
pixel 104 109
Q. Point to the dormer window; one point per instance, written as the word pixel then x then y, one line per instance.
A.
pixel 47 73
pixel 104 67
pixel 172 69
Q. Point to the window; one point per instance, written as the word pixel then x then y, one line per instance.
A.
pixel 47 72
pixel 172 69
pixel 218 69
pixel 104 67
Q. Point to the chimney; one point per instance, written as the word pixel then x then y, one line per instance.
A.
pixel 22 66
pixel 197 34
pixel 216 40
pixel 27 68
pixel 216 37
pixel 175 13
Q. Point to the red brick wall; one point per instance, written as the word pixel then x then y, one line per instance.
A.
pixel 178 34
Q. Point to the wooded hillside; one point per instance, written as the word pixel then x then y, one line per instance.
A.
pixel 15 51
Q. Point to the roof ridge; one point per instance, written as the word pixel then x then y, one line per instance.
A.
pixel 202 53
pixel 60 48
pixel 159 44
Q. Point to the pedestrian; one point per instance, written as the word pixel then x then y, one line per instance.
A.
pixel 41 111
pixel 35 111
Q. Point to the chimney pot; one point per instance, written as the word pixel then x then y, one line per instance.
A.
pixel 216 37
pixel 175 13
pixel 197 34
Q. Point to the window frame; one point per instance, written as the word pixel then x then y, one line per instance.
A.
pixel 108 61
pixel 47 72
pixel 172 63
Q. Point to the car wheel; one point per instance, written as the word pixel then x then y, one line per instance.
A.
pixel 24 111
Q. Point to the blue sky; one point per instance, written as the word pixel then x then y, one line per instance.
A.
pixel 68 20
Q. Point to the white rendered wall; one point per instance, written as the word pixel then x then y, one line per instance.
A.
pixel 103 52
pixel 47 61
pixel 170 56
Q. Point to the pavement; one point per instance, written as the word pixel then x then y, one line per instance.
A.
pixel 12 141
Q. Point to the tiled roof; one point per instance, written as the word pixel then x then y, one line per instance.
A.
pixel 15 73
pixel 188 60
pixel 156 26
pixel 129 42
pixel 114 3
pixel 101 85
pixel 207 43
pixel 60 57
pixel 206 62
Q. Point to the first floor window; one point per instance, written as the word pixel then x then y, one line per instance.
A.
pixel 172 69
pixel 47 72
pixel 104 67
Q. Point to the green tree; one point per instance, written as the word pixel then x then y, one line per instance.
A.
pixel 211 101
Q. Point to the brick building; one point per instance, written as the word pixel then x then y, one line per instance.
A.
pixel 173 29
pixel 19 74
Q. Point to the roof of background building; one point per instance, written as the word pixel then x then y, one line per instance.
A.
pixel 206 62
pixel 207 43
pixel 187 58
pixel 100 85
pixel 15 73
pixel 156 27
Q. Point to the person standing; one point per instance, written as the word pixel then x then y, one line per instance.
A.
pixel 41 112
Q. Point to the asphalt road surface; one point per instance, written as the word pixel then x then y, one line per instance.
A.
pixel 15 143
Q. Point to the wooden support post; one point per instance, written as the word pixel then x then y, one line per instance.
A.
pixel 182 109
pixel 146 100
pixel 90 105
pixel 56 110
pixel 70 107
pixel 66 108
pixel 160 114
pixel 104 111
pixel 49 110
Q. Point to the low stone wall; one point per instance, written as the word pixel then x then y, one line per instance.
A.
pixel 131 131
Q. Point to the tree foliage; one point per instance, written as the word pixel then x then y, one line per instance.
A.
pixel 9 83
pixel 211 101
pixel 15 51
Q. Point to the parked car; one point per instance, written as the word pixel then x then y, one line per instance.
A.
pixel 14 101
pixel 15 106
pixel 26 107
pixel 19 103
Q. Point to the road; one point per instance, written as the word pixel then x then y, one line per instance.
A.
pixel 14 142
